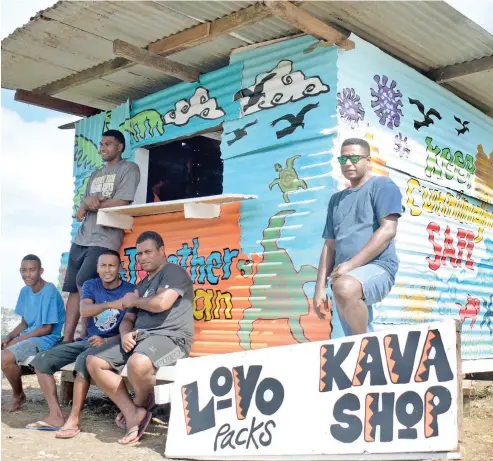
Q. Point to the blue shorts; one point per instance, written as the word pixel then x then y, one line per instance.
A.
pixel 23 350
pixel 376 283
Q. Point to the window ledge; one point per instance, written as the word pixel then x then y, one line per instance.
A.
pixel 208 207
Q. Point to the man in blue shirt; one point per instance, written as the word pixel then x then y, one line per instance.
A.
pixel 103 321
pixel 358 256
pixel 43 313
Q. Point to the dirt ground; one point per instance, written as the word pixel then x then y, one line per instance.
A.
pixel 97 442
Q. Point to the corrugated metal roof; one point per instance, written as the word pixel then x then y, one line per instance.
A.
pixel 73 36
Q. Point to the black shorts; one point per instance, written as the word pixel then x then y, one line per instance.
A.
pixel 162 351
pixel 82 266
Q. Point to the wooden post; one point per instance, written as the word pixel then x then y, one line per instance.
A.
pixel 66 387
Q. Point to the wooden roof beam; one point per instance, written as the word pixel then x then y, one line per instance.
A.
pixel 60 105
pixel 138 55
pixel 444 74
pixel 309 24
pixel 175 43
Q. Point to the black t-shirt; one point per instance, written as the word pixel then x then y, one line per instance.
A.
pixel 178 320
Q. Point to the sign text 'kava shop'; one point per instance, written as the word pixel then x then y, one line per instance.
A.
pixel 392 392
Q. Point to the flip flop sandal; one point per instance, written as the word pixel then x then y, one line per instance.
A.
pixel 140 429
pixel 67 433
pixel 150 405
pixel 41 426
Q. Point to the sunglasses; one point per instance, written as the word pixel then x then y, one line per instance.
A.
pixel 354 158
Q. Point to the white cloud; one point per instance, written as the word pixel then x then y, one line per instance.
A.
pixel 200 105
pixel 278 86
pixel 36 197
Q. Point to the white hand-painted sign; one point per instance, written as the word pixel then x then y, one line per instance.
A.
pixel 379 396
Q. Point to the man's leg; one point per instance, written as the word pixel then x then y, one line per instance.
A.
pixel 46 364
pixel 81 388
pixel 72 315
pixel 142 378
pixel 113 386
pixel 357 291
pixel 348 294
pixel 12 372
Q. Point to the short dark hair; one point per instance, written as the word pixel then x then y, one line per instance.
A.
pixel 32 258
pixel 112 253
pixel 356 142
pixel 118 135
pixel 151 235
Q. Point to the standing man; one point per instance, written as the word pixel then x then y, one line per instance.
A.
pixel 103 320
pixel 113 185
pixel 43 313
pixel 157 331
pixel 358 256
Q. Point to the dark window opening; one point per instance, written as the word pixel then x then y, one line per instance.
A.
pixel 184 169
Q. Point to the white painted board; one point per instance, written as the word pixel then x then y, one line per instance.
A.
pixel 322 400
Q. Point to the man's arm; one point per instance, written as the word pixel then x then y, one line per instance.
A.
pixel 378 242
pixel 326 264
pixel 14 333
pixel 111 202
pixel 89 309
pixel 160 302
pixel 41 331
pixel 128 322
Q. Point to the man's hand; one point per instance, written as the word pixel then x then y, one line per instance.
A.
pixel 128 341
pixel 129 300
pixel 92 203
pixel 96 341
pixel 6 341
pixel 14 341
pixel 342 269
pixel 320 302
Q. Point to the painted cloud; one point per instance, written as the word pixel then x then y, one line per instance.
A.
pixel 200 105
pixel 278 86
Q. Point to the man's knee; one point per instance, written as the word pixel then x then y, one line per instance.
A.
pixel 347 288
pixel 93 363
pixel 139 363
pixel 8 358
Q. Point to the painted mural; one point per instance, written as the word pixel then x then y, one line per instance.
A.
pixel 285 109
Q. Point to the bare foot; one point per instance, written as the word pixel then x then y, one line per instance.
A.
pixel 71 423
pixel 133 424
pixel 56 420
pixel 15 404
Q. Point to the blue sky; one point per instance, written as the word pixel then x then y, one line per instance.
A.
pixel 36 173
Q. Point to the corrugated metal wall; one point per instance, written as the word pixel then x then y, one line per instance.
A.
pixel 285 109
pixel 438 150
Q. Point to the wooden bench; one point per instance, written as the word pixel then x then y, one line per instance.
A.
pixel 165 377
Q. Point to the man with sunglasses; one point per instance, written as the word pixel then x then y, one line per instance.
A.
pixel 359 257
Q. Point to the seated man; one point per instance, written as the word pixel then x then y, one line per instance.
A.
pixel 156 331
pixel 43 313
pixel 104 316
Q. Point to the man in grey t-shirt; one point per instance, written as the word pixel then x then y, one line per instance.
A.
pixel 113 185
pixel 358 256
pixel 156 331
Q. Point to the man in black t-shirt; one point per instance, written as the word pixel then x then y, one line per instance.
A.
pixel 156 331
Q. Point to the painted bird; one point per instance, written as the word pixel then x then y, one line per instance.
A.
pixel 240 132
pixel 427 116
pixel 294 120
pixel 464 128
pixel 255 95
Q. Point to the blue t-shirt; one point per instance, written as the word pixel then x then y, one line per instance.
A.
pixel 105 324
pixel 42 308
pixel 353 217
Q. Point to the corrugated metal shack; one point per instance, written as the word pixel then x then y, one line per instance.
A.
pixel 272 90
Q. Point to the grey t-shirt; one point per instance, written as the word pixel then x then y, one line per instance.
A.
pixel 117 181
pixel 178 320
pixel 353 217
